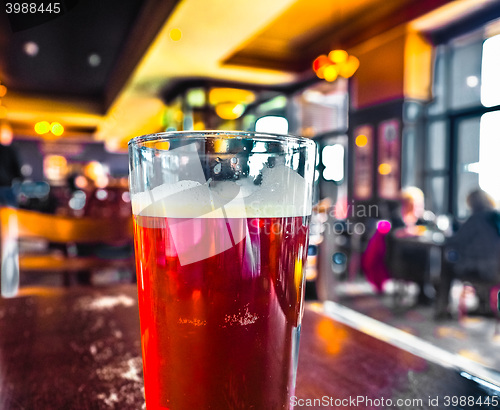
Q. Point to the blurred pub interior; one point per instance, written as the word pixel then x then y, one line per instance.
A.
pixel 410 97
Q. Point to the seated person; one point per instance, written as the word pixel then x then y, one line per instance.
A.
pixel 406 260
pixel 385 257
pixel 473 253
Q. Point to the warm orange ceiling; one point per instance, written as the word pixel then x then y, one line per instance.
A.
pixel 303 23
pixel 311 27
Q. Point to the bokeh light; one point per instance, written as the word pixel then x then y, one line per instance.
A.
pixel 321 61
pixel 175 34
pixel 330 73
pixel 361 140
pixel 94 60
pixel 229 110
pixel 42 127
pixel 337 63
pixel 383 226
pixel 349 67
pixel 338 56
pixel 55 167
pixel 81 182
pixel 384 169
pixel 31 48
pixel 56 129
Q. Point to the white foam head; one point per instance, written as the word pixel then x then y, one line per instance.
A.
pixel 282 193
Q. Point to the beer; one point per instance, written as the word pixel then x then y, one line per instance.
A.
pixel 220 332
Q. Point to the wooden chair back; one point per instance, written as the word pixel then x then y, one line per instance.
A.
pixel 18 225
pixel 28 224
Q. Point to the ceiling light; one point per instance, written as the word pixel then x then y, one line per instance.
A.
pixel 229 110
pixel 56 129
pixel 320 61
pixel 349 67
pixel 42 127
pixel 175 34
pixel 337 63
pixel 230 103
pixel 31 48
pixel 338 56
pixel 331 73
pixel 221 95
pixel 94 60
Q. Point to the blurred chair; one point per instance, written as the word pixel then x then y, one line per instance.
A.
pixel 413 260
pixel 107 242
pixel 471 256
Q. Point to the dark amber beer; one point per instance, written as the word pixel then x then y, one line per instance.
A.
pixel 221 233
pixel 220 333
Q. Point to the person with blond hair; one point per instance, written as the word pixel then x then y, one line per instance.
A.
pixel 387 257
pixel 412 207
pixel 406 260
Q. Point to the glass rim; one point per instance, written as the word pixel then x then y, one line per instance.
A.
pixel 266 136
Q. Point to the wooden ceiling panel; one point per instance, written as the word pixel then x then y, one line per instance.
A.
pixel 311 27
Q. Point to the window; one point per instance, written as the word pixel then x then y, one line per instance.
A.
pixel 333 161
pixel 467 158
pixel 272 124
pixel 462 145
pixel 489 150
pixel 490 81
pixel 465 64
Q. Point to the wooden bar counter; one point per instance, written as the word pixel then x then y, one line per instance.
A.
pixel 79 348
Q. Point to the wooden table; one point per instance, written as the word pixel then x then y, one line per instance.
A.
pixel 79 348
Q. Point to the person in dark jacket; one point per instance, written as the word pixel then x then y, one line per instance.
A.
pixel 473 253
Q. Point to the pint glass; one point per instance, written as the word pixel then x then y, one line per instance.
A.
pixel 221 235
